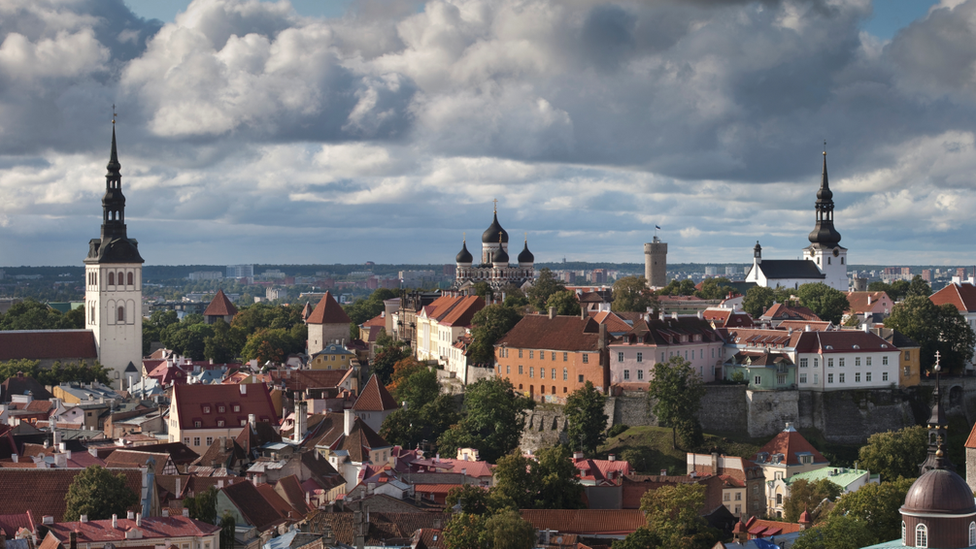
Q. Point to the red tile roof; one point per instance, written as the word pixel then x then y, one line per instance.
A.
pixel 842 341
pixel 129 458
pixel 561 333
pixel 962 296
pixel 789 443
pixel 614 323
pixel 766 528
pixel 41 491
pixel 100 531
pixel 299 380
pixel 220 305
pixel 191 402
pixel 780 311
pixel 268 493
pixel 971 441
pixel 374 398
pixel 802 325
pixel 858 301
pixel 378 321
pixel 47 344
pixel 727 318
pixel 11 524
pixel 21 385
pixel 328 311
pixel 586 522
pixel 291 489
pixel 253 507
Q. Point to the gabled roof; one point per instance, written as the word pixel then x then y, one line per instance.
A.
pixel 328 311
pixel 299 380
pixel 586 522
pixel 842 341
pixel 100 531
pixel 41 491
pixel 790 268
pixel 290 488
pixel 615 324
pixel 791 445
pixel 454 310
pixel 284 509
pixel 21 385
pixel 361 440
pixel 561 333
pixel 802 325
pixel 129 458
pixel 374 398
pixel 47 344
pixel 10 524
pixel 858 301
pixel 180 453
pixel 670 331
pixel 727 318
pixel 780 311
pixel 192 402
pixel 896 338
pixel 252 506
pixel 962 296
pixel 220 305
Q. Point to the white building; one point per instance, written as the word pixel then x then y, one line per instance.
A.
pixel 845 359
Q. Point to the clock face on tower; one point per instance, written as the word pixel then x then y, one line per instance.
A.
pixel 836 252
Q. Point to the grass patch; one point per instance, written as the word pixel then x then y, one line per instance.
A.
pixel 649 450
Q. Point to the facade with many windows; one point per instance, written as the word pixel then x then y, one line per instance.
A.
pixel 846 359
pixel 634 354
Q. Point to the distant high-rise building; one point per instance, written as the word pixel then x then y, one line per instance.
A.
pixel 961 273
pixel 598 276
pixel 711 271
pixel 927 275
pixel 240 271
pixel 656 263
pixel 731 271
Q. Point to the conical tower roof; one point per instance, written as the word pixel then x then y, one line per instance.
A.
pixel 328 311
pixel 220 305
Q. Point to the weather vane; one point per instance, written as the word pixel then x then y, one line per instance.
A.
pixel 114 114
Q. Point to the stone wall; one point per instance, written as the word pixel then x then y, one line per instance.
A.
pixel 724 409
pixel 544 427
pixel 769 411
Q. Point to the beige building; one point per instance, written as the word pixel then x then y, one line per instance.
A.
pixel 201 414
pixel 327 324
pixel 441 323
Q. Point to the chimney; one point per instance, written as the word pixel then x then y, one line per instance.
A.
pixel 714 463
pixel 348 419
pixel 47 519
pixel 165 511
pixel 73 540
pixel 577 455
pixel 243 387
pixel 806 328
pixel 611 457
pixel 301 418
pixel 178 486
pixel 15 457
pixel 115 521
pixel 186 512
pixel 84 518
pixel 552 313
pixel 869 299
pixel 138 519
pixel 252 420
pixel 131 515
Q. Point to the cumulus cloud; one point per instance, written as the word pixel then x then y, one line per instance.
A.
pixel 399 122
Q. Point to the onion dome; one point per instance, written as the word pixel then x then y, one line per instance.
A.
pixel 500 256
pixel 464 256
pixel 494 233
pixel 939 491
pixel 526 256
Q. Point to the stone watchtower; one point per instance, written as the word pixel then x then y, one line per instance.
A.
pixel 656 263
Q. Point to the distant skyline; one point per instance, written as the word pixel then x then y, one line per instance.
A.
pixel 381 130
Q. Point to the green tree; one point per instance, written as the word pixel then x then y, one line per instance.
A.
pixel 389 352
pixel 266 344
pixel 483 290
pixel 543 287
pixel 895 454
pixel 74 319
pixel 516 481
pixel 715 288
pixel 489 325
pixel 558 479
pixel 805 495
pixel 674 397
pixel 837 533
pixel 935 328
pixel 362 310
pixel 565 303
pixel 203 506
pixel 631 294
pixel 508 530
pixel 228 530
pixel 918 286
pixel 413 383
pixel 152 328
pixel 674 517
pixel 514 297
pixel 224 345
pixel 757 300
pixel 32 315
pixel 585 417
pixel 876 507
pixel 465 531
pixel 642 538
pixel 473 499
pixel 827 303
pixel 492 421
pixel 98 493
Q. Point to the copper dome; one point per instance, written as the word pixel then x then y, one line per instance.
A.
pixel 940 491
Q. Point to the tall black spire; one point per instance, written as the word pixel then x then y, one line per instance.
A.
pixel 114 246
pixel 823 232
pixel 937 425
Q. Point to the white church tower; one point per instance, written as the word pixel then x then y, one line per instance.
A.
pixel 825 249
pixel 113 281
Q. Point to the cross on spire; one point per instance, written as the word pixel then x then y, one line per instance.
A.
pixel 495 207
pixel 114 114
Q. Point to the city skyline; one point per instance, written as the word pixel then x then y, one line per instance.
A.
pixel 262 133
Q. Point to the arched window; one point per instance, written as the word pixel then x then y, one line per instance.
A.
pixel 91 319
pixel 121 278
pixel 921 536
pixel 972 534
pixel 128 279
pixel 121 314
pixel 542 389
pixel 903 538
pixel 111 279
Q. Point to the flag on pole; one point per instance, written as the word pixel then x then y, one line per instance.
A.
pixel 658 227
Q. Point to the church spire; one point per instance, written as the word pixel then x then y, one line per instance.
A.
pixel 114 245
pixel 937 425
pixel 823 232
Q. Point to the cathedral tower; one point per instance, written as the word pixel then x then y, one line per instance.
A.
pixel 113 281
pixel 825 249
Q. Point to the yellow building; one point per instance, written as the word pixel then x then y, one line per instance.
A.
pixel 909 361
pixel 333 357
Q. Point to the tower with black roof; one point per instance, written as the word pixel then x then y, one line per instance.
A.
pixel 825 249
pixel 113 280
pixel 494 268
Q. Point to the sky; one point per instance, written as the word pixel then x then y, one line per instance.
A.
pixel 382 130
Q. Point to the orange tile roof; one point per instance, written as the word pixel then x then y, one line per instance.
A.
pixel 586 522
pixel 562 333
pixel 781 311
pixel 96 531
pixel 790 443
pixel 41 491
pixel 47 344
pixel 971 441
pixel 192 400
pixel 614 323
pixel 374 398
pixel 220 305
pixel 378 320
pixel 328 311
pixel 962 296
pixel 858 301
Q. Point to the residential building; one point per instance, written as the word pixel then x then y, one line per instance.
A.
pixel 869 307
pixel 743 492
pixel 787 454
pixel 909 353
pixel 350 444
pixel 494 268
pixel 441 323
pixel 334 356
pixel 763 370
pixel 780 312
pixel 633 354
pixel 726 317
pixel 845 359
pixel 113 280
pixel 201 414
pixel 849 480
pixel 962 296
pixel 374 404
pixel 327 324
pixel 136 531
pixel 549 356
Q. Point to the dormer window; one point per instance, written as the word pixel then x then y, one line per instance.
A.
pixel 221 408
pixel 206 409
pixel 197 424
pixel 220 423
pixel 237 407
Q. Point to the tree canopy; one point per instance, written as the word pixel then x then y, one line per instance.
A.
pixel 58 373
pixel 550 481
pixel 98 493
pixel 564 303
pixel 631 294
pixel 827 303
pixel 542 289
pixel 757 300
pixel 895 454
pixel 492 419
pixel 934 328
pixel 428 413
pixel 806 496
pixel 673 520
pixel 585 417
pixel 489 325
pixel 30 314
pixel 716 288
pixel 876 507
pixel 674 398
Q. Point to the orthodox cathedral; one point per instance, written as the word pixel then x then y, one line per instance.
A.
pixel 824 260
pixel 494 267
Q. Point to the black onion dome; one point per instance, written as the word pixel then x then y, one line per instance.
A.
pixel 939 491
pixel 494 233
pixel 526 256
pixel 824 232
pixel 501 256
pixel 464 256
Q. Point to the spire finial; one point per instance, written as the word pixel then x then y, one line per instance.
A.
pixel 526 234
pixel 464 237
pixel 495 205
pixel 114 114
pixel 825 147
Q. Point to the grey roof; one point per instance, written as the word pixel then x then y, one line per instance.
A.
pixel 790 268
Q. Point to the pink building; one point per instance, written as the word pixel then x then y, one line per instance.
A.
pixel 634 354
